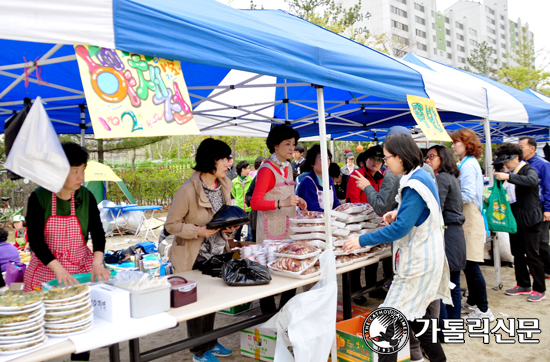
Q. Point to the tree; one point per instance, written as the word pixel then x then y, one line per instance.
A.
pixel 523 72
pixel 329 14
pixel 480 61
pixel 392 44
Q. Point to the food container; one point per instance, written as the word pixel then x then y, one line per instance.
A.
pixel 144 303
pixel 182 292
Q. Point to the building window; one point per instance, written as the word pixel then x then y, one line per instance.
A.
pixel 421 46
pixel 491 11
pixel 492 41
pixel 448 43
pixel 502 27
pixel 402 1
pixel 419 7
pixel 491 30
pixel 504 55
pixel 494 51
pixel 447 20
pixel 502 45
pixel 399 25
pixel 461 60
pixel 439 29
pixel 502 17
pixel 517 43
pixel 473 42
pixel 460 37
pixel 440 41
pixel 433 13
pixel 504 65
pixel 472 31
pixel 420 33
pixel 433 26
pixel 449 56
pixel 435 51
pixel 400 39
pixel 502 36
pixel 458 25
pixel 438 17
pixel 398 11
pixel 490 20
pixel 420 20
pixel 496 61
pixel 447 31
pixel 435 39
pixel 460 48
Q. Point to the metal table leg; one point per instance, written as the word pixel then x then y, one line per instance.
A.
pixel 346 293
pixel 133 344
pixel 114 353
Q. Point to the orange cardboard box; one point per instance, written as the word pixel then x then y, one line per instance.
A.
pixel 355 312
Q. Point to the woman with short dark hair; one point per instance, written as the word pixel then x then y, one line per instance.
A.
pixel 416 230
pixel 467 148
pixel 241 184
pixel 193 206
pixel 441 159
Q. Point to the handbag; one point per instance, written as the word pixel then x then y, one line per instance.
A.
pixel 228 216
pixel 498 212
pixel 15 272
pixel 182 291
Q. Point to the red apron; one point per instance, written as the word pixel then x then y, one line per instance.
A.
pixel 63 235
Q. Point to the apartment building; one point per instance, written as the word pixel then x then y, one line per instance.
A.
pixel 448 36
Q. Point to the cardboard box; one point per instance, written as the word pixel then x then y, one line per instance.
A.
pixel 241 308
pixel 238 244
pixel 352 347
pixel 110 303
pixel 355 312
pixel 258 343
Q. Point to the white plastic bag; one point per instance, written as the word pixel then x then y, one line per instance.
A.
pixel 307 322
pixel 504 247
pixel 36 153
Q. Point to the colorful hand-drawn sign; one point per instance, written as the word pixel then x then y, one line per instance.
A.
pixel 131 95
pixel 425 114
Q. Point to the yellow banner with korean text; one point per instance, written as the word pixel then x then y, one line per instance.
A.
pixel 131 95
pixel 425 114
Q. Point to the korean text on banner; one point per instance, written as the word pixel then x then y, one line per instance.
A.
pixel 425 114
pixel 131 95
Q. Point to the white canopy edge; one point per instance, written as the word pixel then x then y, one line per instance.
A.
pixel 91 22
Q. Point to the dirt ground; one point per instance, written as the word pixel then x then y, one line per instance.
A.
pixel 474 349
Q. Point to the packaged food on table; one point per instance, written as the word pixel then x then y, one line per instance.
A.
pixel 309 217
pixel 369 225
pixel 355 218
pixel 298 250
pixel 341 232
pixel 351 208
pixel 353 227
pixel 292 264
pixel 343 260
pixel 313 270
pixel 337 224
pixel 310 236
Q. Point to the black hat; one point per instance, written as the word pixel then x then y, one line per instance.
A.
pixel 374 151
pixel 504 158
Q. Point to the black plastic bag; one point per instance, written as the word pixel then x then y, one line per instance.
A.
pixel 213 266
pixel 228 216
pixel 11 130
pixel 240 272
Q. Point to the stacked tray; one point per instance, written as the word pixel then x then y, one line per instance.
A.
pixel 68 311
pixel 21 322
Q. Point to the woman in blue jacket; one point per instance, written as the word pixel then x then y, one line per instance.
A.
pixel 311 187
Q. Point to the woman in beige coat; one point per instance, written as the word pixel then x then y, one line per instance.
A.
pixel 193 206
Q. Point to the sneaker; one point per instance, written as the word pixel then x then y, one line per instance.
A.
pixel 221 351
pixel 478 314
pixel 517 290
pixel 466 308
pixel 536 297
pixel 207 357
pixel 362 300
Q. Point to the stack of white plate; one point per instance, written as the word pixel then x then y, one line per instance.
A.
pixel 21 327
pixel 71 315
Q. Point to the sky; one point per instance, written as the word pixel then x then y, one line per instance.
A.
pixel 535 12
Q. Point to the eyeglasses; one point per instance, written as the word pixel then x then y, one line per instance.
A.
pixel 376 159
pixel 385 159
pixel 430 157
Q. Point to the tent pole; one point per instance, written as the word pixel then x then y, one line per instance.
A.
pixel 286 101
pixel 82 125
pixel 332 148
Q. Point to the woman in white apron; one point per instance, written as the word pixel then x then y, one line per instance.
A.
pixel 311 188
pixel 416 230
pixel 274 197
pixel 467 147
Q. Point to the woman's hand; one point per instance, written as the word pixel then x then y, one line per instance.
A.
pixel 502 176
pixel 99 271
pixel 293 200
pixel 360 181
pixel 390 217
pixel 351 245
pixel 64 278
pixel 206 233
pixel 230 230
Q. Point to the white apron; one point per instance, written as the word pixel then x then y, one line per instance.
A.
pixel 321 195
pixel 420 265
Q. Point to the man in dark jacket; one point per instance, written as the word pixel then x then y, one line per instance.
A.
pixel 524 202
pixel 529 147
pixel 231 168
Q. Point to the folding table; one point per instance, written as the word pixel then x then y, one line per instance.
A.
pixel 145 208
pixel 119 212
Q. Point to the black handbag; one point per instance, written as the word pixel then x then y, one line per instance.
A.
pixel 241 272
pixel 228 216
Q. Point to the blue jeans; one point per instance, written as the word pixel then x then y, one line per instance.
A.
pixel 477 290
pixel 240 230
pixel 449 311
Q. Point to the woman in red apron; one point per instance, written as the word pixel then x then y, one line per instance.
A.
pixel 58 228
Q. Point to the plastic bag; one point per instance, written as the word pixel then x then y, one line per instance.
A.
pixel 37 154
pixel 228 216
pixel 239 272
pixel 213 266
pixel 498 212
pixel 12 126
pixel 307 321
pixel 15 272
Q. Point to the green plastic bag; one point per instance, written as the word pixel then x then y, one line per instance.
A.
pixel 499 214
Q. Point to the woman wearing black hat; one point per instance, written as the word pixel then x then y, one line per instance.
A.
pixel 524 202
pixel 370 171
